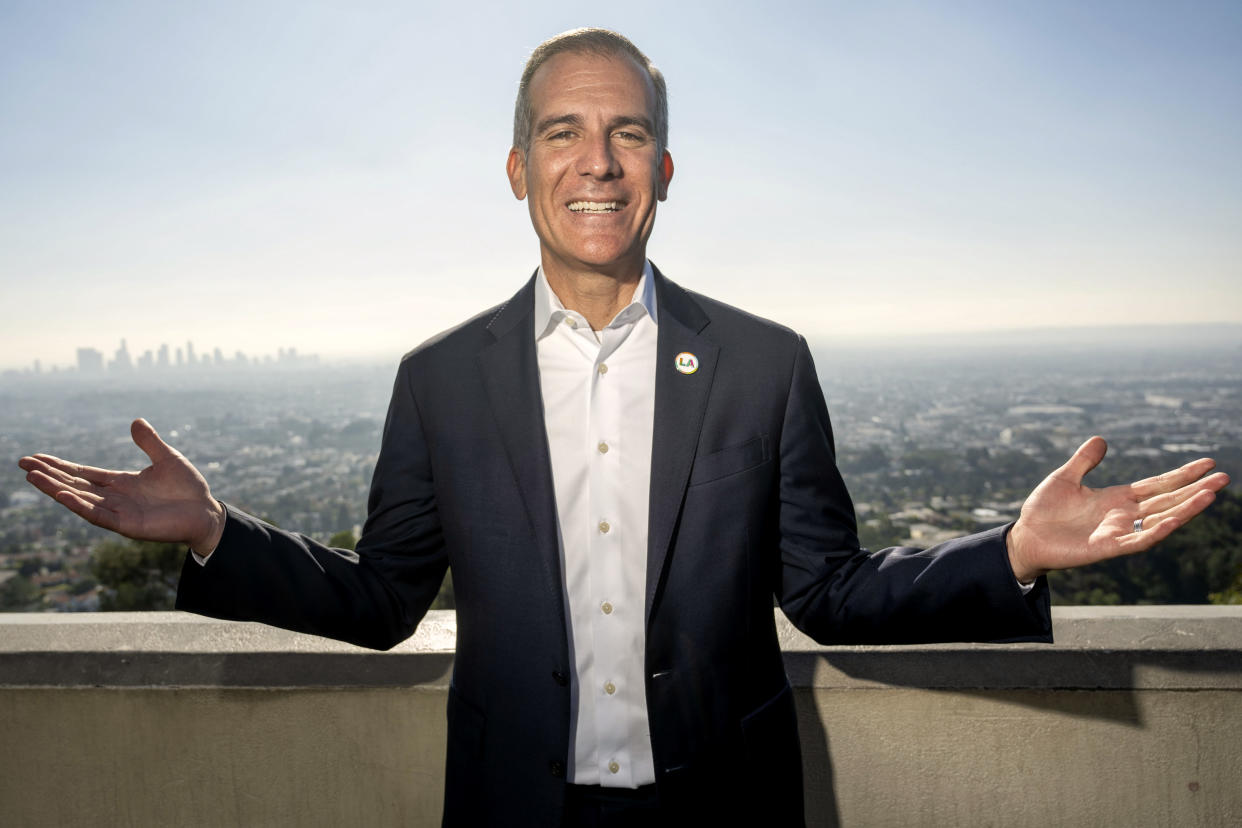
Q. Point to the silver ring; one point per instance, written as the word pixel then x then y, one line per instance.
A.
pixel 1138 525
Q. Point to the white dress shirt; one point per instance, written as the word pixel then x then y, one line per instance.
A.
pixel 599 405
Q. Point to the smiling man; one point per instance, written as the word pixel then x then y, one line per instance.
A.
pixel 593 166
pixel 621 475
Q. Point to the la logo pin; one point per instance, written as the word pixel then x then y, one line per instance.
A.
pixel 686 362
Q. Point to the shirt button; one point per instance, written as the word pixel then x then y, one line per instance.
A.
pixel 603 447
pixel 603 368
pixel 607 608
pixel 604 527
pixel 571 323
pixel 610 688
pixel 560 677
pixel 557 768
pixel 613 767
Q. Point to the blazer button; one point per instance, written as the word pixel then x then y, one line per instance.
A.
pixel 560 677
pixel 557 767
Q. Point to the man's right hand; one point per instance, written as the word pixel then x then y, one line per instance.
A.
pixel 167 501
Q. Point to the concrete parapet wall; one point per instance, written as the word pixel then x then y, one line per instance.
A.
pixel 1133 718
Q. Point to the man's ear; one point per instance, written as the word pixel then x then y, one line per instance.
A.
pixel 515 166
pixel 666 175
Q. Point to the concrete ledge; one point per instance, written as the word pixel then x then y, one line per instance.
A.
pixel 177 649
pixel 1165 647
pixel 1133 718
pixel 1120 648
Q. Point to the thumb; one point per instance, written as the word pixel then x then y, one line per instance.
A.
pixel 147 440
pixel 1087 457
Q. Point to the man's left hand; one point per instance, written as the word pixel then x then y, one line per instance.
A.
pixel 1066 524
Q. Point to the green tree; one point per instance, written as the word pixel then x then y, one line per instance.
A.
pixel 18 593
pixel 1231 594
pixel 879 533
pixel 343 539
pixel 137 575
pixel 83 585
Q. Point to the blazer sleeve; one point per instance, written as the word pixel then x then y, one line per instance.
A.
pixel 373 596
pixel 837 592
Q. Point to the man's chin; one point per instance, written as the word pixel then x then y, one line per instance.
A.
pixel 606 262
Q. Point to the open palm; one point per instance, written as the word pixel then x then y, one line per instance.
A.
pixel 167 501
pixel 1065 523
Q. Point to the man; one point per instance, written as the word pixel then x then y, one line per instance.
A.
pixel 621 474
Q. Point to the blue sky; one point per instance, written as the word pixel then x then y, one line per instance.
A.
pixel 329 176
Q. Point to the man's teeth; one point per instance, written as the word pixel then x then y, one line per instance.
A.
pixel 594 206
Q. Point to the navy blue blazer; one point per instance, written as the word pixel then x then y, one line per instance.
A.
pixel 745 504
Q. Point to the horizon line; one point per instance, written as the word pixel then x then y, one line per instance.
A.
pixel 879 339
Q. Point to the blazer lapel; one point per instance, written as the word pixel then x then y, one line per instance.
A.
pixel 680 402
pixel 511 375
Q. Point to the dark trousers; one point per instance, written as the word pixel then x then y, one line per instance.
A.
pixel 592 806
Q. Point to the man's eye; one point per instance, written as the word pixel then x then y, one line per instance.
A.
pixel 630 137
pixel 563 135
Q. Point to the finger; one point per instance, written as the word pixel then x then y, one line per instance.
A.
pixel 1164 502
pixel 52 488
pixel 1193 506
pixel 91 473
pixel 147 439
pixel 1172 480
pixel 88 511
pixel 59 475
pixel 1156 528
pixel 46 483
pixel 1149 537
pixel 1087 457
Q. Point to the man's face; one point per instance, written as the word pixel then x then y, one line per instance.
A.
pixel 592 173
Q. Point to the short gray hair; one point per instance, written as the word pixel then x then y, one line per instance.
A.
pixel 601 42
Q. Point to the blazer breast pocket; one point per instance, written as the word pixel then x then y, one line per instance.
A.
pixel 730 460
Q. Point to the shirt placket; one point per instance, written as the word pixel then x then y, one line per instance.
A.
pixel 608 542
pixel 577 353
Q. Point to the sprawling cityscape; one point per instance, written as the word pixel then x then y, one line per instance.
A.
pixel 934 439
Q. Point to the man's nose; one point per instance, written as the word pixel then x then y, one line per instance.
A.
pixel 598 158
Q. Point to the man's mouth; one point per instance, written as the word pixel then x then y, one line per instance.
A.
pixel 595 206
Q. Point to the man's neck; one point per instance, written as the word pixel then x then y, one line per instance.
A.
pixel 597 296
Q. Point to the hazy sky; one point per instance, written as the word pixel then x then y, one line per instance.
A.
pixel 330 176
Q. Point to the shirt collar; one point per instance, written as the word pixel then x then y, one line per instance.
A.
pixel 549 310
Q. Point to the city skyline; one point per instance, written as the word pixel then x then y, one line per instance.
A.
pixel 92 361
pixel 1220 341
pixel 331 178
